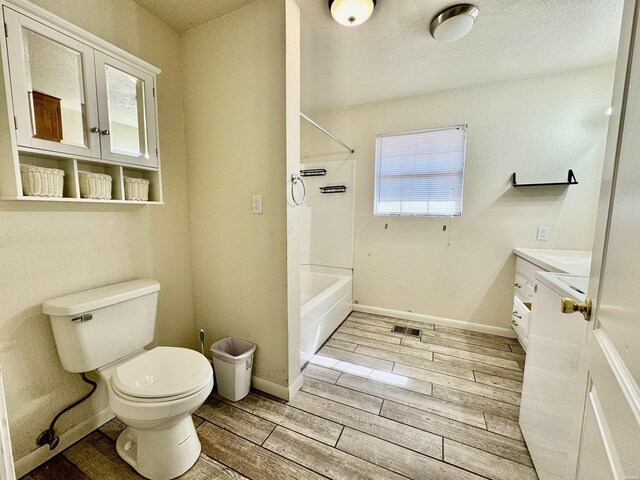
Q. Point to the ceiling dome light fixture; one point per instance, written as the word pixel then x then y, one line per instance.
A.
pixel 351 12
pixel 454 22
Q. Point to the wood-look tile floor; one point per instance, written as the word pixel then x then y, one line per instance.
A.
pixel 374 405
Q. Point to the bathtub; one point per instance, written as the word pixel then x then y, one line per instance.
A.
pixel 326 300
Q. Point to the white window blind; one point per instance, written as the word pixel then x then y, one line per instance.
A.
pixel 420 173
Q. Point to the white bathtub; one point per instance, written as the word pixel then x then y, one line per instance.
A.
pixel 326 300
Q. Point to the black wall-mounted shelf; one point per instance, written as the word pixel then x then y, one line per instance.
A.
pixel 571 180
pixel 333 189
pixel 313 172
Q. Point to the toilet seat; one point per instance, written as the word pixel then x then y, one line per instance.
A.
pixel 135 399
pixel 162 374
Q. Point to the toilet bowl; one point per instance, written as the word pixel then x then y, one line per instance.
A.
pixel 154 392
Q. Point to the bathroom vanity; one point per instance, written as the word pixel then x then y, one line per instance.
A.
pixel 528 262
pixel 555 377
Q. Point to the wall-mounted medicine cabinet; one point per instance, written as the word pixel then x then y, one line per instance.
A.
pixel 76 103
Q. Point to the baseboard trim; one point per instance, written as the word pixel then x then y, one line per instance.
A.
pixel 275 389
pixel 269 387
pixel 448 322
pixel 295 386
pixel 41 454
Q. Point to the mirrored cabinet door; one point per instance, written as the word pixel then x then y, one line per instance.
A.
pixel 126 108
pixel 53 88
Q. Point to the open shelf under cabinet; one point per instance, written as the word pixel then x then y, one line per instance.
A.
pixel 71 189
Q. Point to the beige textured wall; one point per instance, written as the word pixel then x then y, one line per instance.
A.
pixel 49 249
pixel 538 127
pixel 234 80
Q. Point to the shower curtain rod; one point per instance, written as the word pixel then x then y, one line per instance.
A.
pixel 327 133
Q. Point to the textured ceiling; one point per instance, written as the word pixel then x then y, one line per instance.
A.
pixel 186 14
pixel 393 55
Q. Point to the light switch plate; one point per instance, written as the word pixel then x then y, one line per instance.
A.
pixel 543 233
pixel 256 203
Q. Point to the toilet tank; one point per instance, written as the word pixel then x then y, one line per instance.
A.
pixel 99 326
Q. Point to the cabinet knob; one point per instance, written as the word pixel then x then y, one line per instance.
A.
pixel 514 323
pixel 105 132
pixel 95 130
pixel 515 314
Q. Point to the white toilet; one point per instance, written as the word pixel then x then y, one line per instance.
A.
pixel 153 392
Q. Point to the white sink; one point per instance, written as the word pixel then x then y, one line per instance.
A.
pixel 570 260
pixel 581 284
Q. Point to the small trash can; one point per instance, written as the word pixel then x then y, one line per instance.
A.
pixel 232 364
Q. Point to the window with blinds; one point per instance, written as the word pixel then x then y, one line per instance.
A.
pixel 420 173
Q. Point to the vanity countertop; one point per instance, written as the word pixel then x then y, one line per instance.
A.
pixel 574 262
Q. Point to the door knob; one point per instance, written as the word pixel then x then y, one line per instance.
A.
pixel 569 306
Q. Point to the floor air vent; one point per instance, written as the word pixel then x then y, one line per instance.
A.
pixel 406 330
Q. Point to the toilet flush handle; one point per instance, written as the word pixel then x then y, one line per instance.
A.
pixel 82 318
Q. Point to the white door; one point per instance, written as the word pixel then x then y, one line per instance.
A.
pixel 610 444
pixel 6 459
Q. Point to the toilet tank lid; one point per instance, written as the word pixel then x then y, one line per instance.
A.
pixel 89 300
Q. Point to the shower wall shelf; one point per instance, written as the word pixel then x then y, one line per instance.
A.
pixel 571 180
pixel 313 172
pixel 333 189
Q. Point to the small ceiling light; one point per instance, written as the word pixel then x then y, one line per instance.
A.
pixel 351 12
pixel 454 22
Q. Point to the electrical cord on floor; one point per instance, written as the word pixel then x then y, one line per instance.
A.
pixel 49 437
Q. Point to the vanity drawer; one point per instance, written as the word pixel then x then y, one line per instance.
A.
pixel 520 318
pixel 520 287
pixel 529 292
